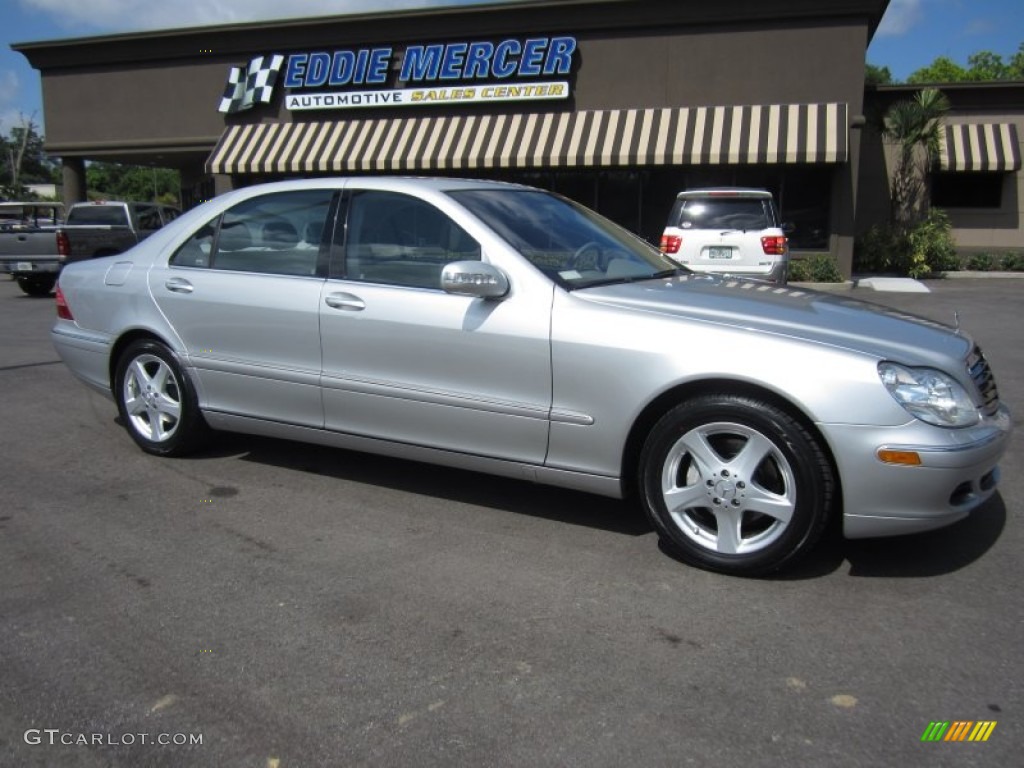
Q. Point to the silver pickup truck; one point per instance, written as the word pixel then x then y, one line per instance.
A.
pixel 28 244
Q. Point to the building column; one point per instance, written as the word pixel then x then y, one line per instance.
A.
pixel 222 183
pixel 73 173
pixel 844 201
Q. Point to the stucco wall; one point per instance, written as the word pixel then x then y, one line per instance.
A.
pixel 159 104
pixel 174 102
pixel 974 229
pixel 994 229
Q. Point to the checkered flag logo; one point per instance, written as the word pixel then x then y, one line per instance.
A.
pixel 250 85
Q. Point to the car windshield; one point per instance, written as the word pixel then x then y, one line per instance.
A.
pixel 723 213
pixel 571 244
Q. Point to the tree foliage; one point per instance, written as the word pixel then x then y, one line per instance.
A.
pixel 875 75
pixel 983 66
pixel 132 182
pixel 914 126
pixel 22 160
pixel 917 240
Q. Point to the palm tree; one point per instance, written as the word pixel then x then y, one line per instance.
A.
pixel 915 127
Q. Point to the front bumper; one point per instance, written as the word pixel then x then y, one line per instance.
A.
pixel 958 473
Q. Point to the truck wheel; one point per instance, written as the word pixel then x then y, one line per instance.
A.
pixel 156 400
pixel 37 286
pixel 736 485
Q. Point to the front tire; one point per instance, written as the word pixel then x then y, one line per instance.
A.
pixel 736 485
pixel 156 400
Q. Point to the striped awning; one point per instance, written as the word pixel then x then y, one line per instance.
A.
pixel 769 134
pixel 979 147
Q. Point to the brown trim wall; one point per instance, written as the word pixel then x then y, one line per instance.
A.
pixel 153 97
pixel 147 91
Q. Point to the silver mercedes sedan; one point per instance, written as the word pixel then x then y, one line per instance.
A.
pixel 507 330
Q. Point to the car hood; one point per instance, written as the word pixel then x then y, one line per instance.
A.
pixel 798 313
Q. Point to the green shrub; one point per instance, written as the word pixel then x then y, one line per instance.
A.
pixel 925 249
pixel 1012 262
pixel 815 268
pixel 980 262
pixel 931 246
pixel 881 249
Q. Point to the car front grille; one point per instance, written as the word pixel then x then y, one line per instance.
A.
pixel 981 374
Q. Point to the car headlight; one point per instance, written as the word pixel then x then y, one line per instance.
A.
pixel 929 395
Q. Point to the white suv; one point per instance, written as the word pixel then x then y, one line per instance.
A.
pixel 728 230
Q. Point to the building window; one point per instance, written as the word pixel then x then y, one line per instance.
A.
pixel 967 190
pixel 804 199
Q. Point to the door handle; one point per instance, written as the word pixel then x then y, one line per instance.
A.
pixel 344 301
pixel 178 285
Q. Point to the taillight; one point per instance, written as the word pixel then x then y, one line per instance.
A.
pixel 671 243
pixel 63 245
pixel 774 245
pixel 63 310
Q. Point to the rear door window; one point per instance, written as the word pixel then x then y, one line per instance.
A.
pixel 280 233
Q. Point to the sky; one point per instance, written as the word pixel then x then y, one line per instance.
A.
pixel 913 33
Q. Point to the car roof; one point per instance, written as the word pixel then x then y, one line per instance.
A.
pixel 408 184
pixel 724 192
pixel 101 203
pixel 440 183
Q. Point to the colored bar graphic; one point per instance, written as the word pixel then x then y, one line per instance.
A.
pixel 958 730
pixel 982 730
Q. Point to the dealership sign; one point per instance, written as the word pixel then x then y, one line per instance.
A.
pixel 452 73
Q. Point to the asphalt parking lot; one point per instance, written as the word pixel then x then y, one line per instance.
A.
pixel 292 605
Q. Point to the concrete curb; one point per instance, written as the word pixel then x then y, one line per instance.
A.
pixel 980 275
pixel 844 286
pixel 866 281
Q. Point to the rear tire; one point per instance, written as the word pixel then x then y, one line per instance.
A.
pixel 37 286
pixel 157 401
pixel 736 485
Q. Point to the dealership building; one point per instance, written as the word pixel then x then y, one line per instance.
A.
pixel 619 104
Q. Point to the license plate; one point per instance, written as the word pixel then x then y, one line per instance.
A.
pixel 23 266
pixel 719 253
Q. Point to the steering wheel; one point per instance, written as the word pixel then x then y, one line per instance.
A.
pixel 578 255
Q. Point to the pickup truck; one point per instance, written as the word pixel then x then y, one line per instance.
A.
pixel 104 228
pixel 34 248
pixel 28 244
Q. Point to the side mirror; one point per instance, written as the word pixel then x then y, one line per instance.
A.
pixel 474 278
